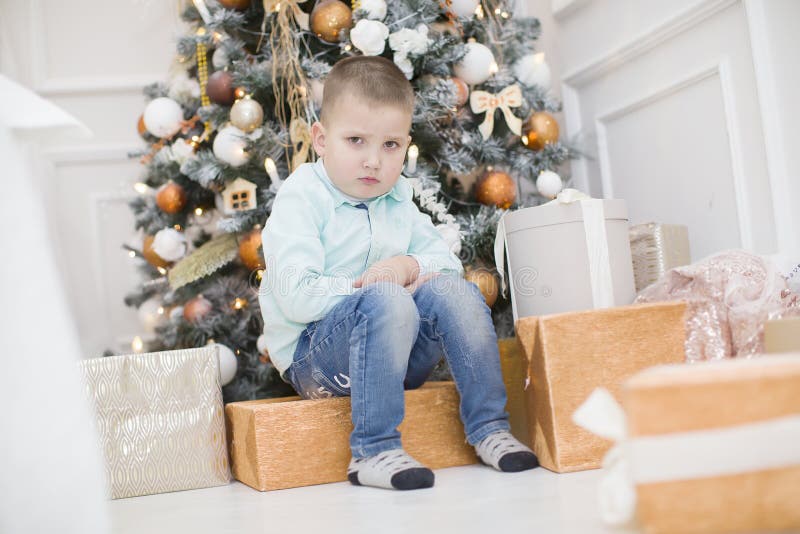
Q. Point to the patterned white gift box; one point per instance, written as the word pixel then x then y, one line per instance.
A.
pixel 160 419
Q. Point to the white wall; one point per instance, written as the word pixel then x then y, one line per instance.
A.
pixel 686 107
pixel 92 58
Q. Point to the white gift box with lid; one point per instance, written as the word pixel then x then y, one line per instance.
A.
pixel 570 254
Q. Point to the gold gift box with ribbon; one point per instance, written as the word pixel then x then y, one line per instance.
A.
pixel 708 447
pixel 571 354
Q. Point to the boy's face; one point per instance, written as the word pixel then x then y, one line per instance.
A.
pixel 363 146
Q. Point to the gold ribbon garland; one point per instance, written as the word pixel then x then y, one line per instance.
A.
pixel 483 101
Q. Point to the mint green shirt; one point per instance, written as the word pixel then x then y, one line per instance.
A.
pixel 317 242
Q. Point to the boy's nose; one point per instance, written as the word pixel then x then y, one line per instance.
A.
pixel 372 161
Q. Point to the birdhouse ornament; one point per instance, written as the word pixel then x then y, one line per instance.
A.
pixel 239 195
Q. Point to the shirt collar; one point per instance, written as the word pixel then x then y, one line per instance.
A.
pixel 395 192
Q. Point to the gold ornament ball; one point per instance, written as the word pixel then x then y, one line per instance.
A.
pixel 496 188
pixel 196 308
pixel 539 130
pixel 247 114
pixel 239 92
pixel 150 255
pixel 486 282
pixel 462 91
pixel 171 198
pixel 248 250
pixel 239 5
pixel 329 18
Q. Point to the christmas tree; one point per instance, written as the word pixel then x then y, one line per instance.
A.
pixel 232 122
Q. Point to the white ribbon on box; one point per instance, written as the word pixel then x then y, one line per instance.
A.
pixel 760 446
pixel 594 224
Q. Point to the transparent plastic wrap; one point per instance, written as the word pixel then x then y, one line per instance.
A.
pixel 729 297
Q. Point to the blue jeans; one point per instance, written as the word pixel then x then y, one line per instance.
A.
pixel 382 339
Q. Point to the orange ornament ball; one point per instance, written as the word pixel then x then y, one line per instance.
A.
pixel 140 127
pixel 486 282
pixel 239 5
pixel 540 130
pixel 462 91
pixel 171 198
pixel 329 18
pixel 196 308
pixel 150 255
pixel 496 188
pixel 249 246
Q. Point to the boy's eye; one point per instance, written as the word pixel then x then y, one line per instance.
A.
pixel 355 140
pixel 391 144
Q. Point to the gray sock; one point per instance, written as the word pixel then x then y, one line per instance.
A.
pixel 505 453
pixel 393 469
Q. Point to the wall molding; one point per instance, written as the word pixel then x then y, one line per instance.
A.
pixel 95 85
pixel 645 41
pixel 564 8
pixel 97 202
pixel 721 71
pixel 49 86
pixel 90 154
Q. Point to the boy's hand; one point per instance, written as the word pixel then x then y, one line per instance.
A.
pixel 402 270
pixel 419 281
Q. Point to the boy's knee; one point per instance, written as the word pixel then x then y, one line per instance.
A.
pixel 454 289
pixel 391 299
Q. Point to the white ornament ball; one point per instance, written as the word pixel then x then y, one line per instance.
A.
pixel 169 244
pixel 375 9
pixel 261 344
pixel 176 314
pixel 220 58
pixel 229 146
pixel 464 8
pixel 162 117
pixel 247 114
pixel 149 315
pixel 227 363
pixel 369 36
pixel 477 65
pixel 549 184
pixel 451 236
pixel 533 70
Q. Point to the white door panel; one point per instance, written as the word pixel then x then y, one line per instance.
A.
pixel 668 106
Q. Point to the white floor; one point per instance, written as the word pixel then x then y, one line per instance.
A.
pixel 464 500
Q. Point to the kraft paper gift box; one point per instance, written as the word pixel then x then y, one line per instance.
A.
pixel 288 442
pixel 782 335
pixel 567 255
pixel 571 354
pixel 160 419
pixel 514 365
pixel 703 448
pixel 655 249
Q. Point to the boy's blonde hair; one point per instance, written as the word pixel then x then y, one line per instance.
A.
pixel 372 78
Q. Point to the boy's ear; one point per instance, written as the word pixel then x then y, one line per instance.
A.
pixel 318 138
